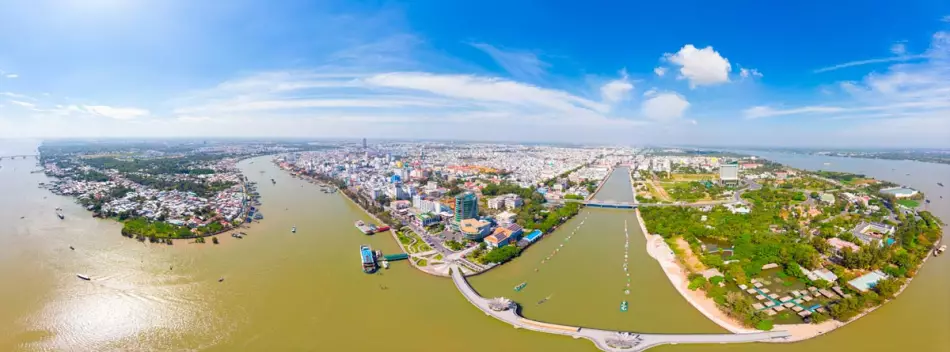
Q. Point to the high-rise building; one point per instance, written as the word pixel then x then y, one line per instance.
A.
pixel 729 174
pixel 466 206
pixel 364 143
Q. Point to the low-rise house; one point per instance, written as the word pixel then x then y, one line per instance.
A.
pixel 506 217
pixel 866 282
pixel 508 201
pixel 839 245
pixel 867 232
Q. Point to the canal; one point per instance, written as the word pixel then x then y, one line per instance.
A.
pixel 305 291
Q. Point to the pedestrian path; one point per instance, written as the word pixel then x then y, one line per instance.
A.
pixel 613 341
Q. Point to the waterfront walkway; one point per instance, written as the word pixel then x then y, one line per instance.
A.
pixel 611 341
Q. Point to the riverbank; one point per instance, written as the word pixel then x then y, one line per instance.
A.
pixel 428 269
pixel 676 273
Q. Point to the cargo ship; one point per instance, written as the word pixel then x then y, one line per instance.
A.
pixel 368 259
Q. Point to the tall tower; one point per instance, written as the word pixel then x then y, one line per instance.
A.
pixel 364 143
pixel 466 206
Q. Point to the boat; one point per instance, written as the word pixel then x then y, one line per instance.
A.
pixel 221 279
pixel 545 299
pixel 71 248
pixel 623 306
pixel 940 250
pixel 939 184
pixel 84 277
pixel 367 259
pixel 385 264
pixel 521 286
pixel 927 200
pixel 60 215
pixel 293 229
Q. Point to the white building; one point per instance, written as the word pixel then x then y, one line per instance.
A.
pixel 508 201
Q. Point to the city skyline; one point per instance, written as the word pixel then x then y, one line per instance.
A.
pixel 598 74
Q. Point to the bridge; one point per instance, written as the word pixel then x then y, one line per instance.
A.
pixel 610 341
pixel 600 203
pixel 608 204
pixel 23 156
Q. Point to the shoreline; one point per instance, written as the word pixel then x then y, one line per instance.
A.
pixel 675 272
pixel 392 231
pixel 234 228
pixel 428 270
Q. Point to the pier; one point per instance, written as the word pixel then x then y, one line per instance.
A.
pixel 611 341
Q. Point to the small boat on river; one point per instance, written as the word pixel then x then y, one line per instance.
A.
pixel 293 229
pixel 940 250
pixel 545 299
pixel 939 184
pixel 520 286
pixel 84 277
pixel 623 306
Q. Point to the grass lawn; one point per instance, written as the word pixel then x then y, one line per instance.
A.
pixel 910 203
pixel 437 257
pixel 694 177
pixel 422 262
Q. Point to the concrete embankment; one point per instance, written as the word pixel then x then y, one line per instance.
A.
pixel 611 341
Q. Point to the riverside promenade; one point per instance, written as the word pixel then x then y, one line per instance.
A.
pixel 611 341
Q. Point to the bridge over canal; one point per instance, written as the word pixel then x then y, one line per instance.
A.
pixel 611 341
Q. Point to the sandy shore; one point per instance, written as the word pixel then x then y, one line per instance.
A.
pixel 659 250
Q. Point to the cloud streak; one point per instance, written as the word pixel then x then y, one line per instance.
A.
pixel 520 64
pixel 870 62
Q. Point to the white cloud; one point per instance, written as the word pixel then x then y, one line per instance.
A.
pixel 23 104
pixel 700 66
pixel 485 89
pixel 870 61
pixel 765 111
pixel 12 75
pixel 17 96
pixel 520 64
pixel 659 71
pixel 651 92
pixel 946 18
pixel 899 49
pixel 910 99
pixel 664 106
pixel 118 113
pixel 749 72
pixel 617 90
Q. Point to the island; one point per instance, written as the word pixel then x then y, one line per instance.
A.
pixel 159 190
pixel 797 251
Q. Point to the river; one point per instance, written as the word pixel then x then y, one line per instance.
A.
pixel 305 291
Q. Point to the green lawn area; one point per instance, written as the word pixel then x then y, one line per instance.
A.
pixel 437 257
pixel 910 203
pixel 422 262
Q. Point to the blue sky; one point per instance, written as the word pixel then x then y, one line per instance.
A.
pixel 870 73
